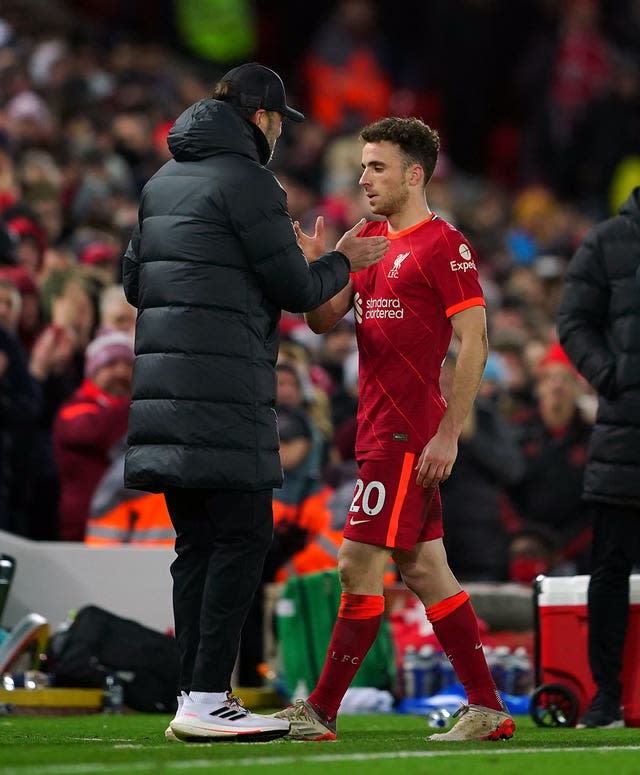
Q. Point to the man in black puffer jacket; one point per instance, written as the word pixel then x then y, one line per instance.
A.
pixel 211 264
pixel 598 324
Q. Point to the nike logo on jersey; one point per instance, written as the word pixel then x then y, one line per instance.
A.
pixel 354 522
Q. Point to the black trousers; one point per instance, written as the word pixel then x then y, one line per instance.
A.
pixel 222 537
pixel 616 549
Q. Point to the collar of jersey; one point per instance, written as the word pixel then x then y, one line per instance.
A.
pixel 409 229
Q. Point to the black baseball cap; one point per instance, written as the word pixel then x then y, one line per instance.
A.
pixel 256 86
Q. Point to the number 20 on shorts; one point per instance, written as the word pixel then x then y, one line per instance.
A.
pixel 370 498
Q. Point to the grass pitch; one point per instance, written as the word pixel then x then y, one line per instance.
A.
pixel 134 744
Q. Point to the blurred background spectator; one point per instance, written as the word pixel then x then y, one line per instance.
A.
pixel 346 69
pixel 90 426
pixel 489 461
pixel 553 438
pixel 540 131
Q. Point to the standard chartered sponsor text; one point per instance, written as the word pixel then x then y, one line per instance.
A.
pixel 384 308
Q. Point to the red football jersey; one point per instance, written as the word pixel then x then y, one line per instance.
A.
pixel 402 307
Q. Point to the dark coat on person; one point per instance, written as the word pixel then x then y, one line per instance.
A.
pixel 599 328
pixel 210 266
pixel 549 493
pixel 487 464
pixel 20 408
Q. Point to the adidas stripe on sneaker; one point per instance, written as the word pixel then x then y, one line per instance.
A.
pixel 228 720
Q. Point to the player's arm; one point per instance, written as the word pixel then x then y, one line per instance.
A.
pixel 324 317
pixel 439 455
pixel 470 327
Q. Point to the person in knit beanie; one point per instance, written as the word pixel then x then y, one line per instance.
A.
pixel 104 355
pixel 90 425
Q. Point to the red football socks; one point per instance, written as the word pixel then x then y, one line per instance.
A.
pixel 353 634
pixel 456 627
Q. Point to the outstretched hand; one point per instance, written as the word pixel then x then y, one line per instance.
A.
pixel 361 252
pixel 312 246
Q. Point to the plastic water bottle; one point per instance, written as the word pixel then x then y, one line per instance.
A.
pixel 488 655
pixel 429 671
pixel 447 673
pixel 113 694
pixel 519 673
pixel 409 665
pixel 419 674
pixel 29 679
pixel 498 659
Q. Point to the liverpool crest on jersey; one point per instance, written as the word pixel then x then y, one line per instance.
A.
pixel 397 263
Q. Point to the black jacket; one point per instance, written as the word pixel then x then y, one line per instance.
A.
pixel 549 493
pixel 487 464
pixel 599 327
pixel 210 265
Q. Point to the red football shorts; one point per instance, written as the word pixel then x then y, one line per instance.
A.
pixel 389 508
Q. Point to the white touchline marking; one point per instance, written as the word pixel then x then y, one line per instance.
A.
pixel 91 767
pixel 102 739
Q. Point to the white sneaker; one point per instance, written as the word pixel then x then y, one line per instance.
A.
pixel 169 734
pixel 228 720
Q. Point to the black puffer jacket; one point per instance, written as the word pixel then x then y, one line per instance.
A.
pixel 599 327
pixel 210 266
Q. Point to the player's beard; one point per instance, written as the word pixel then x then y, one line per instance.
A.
pixel 393 203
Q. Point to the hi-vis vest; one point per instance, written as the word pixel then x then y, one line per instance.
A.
pixel 312 515
pixel 143 520
pixel 359 85
pixel 321 551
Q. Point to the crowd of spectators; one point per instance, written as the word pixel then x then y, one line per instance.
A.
pixel 541 138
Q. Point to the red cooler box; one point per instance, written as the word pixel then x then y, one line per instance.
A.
pixel 561 657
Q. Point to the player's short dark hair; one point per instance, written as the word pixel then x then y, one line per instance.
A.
pixel 418 142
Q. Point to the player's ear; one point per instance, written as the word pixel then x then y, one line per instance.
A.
pixel 416 174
